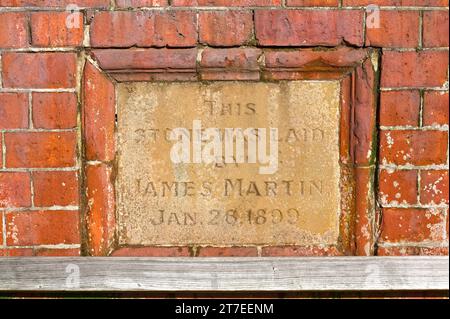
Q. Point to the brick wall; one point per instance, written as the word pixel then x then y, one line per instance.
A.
pixel 41 80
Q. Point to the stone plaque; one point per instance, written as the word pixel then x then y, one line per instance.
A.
pixel 249 201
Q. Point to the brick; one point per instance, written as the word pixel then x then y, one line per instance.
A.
pixel 52 29
pixel 413 147
pixel 13 110
pixel 54 110
pixel 399 108
pixel 434 187
pixel 144 29
pixel 141 3
pixel 227 252
pixel 40 149
pixel 435 109
pixel 397 29
pixel 312 3
pixel 397 3
pixel 16 252
pixel 225 28
pixel 55 188
pixel 412 225
pixel 412 251
pixel 291 251
pixel 55 3
pixel 414 69
pixel 226 3
pixel 15 189
pixel 53 252
pixel 309 27
pixel 14 32
pixel 152 252
pixel 435 29
pixel 398 187
pixel 43 70
pixel 100 211
pixel 98 115
pixel 42 228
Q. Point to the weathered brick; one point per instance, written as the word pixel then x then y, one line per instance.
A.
pixel 98 115
pixel 412 225
pixel 40 149
pixel 152 252
pixel 42 228
pixel 43 70
pixel 55 3
pixel 15 189
pixel 57 252
pixel 312 3
pixel 144 29
pixel 414 69
pixel 399 108
pixel 227 252
pixel 13 110
pixel 436 108
pixel 413 147
pixel 398 187
pixel 54 110
pixel 435 29
pixel 424 3
pixel 227 3
pixel 14 33
pixel 434 187
pixel 412 251
pixel 16 252
pixel 291 251
pixel 309 27
pixel 398 29
pixel 60 29
pixel 225 28
pixel 55 188
pixel 141 3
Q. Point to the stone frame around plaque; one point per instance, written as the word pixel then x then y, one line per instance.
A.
pixel 356 69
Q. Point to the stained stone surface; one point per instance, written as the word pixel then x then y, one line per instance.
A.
pixel 165 203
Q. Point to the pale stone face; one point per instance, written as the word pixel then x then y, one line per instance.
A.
pixel 162 203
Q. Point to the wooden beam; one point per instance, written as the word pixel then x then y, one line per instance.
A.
pixel 224 274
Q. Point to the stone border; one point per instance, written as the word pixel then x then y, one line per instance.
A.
pixel 356 69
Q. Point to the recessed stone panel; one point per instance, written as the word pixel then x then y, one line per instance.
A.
pixel 162 202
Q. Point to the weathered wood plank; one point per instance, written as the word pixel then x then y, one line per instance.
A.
pixel 224 274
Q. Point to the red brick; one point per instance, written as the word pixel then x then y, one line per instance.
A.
pixel 144 29
pixel 291 251
pixel 398 29
pixel 55 188
pixel 13 110
pixel 100 214
pixel 40 149
pixel 413 147
pixel 225 28
pixel 399 108
pixel 412 251
pixel 54 110
pixel 42 228
pixel 435 29
pixel 434 187
pixel 43 70
pixel 1 149
pixel 424 3
pixel 435 110
pixel 98 115
pixel 414 69
pixel 227 252
pixel 312 3
pixel 55 3
pixel 412 225
pixel 141 3
pixel 227 3
pixel 398 187
pixel 49 29
pixel 14 32
pixel 308 27
pixel 16 252
pixel 152 252
pixel 15 189
pixel 49 252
